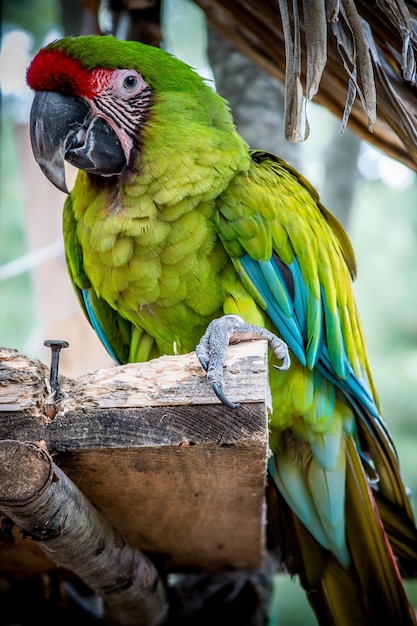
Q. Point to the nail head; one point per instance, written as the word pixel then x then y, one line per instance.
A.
pixel 55 343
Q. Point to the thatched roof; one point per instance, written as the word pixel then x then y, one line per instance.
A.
pixel 355 57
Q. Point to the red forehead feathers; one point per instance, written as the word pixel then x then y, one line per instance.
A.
pixel 53 70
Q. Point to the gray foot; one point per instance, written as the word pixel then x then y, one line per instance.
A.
pixel 212 348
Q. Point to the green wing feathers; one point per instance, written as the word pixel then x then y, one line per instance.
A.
pixel 184 224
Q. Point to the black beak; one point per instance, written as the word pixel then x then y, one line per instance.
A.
pixel 61 128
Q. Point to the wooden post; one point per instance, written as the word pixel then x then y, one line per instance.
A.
pixel 151 446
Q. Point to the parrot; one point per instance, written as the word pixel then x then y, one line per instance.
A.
pixel 179 237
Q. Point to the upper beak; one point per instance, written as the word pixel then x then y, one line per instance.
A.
pixel 61 128
pixel 55 120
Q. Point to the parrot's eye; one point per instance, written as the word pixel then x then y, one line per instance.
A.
pixel 127 83
pixel 130 81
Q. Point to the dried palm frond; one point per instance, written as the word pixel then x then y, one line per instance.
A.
pixel 355 57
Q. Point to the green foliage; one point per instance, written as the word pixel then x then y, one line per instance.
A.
pixel 35 16
pixel 385 240
pixel 17 310
pixel 290 605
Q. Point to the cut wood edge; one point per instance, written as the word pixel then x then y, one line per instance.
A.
pixel 165 381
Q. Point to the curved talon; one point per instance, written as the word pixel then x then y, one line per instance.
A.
pixel 220 333
pixel 286 362
pixel 219 393
pixel 204 362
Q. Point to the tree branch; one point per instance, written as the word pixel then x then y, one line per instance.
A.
pixel 46 504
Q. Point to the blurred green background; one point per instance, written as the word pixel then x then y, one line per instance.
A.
pixel 382 224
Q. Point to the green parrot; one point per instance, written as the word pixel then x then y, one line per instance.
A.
pixel 178 237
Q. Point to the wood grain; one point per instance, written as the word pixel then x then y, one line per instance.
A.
pixel 178 474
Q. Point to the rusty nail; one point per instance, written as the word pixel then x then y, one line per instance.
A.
pixel 56 346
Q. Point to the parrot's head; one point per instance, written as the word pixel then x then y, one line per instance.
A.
pixel 93 98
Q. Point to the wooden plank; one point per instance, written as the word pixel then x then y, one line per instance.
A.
pixel 152 447
pixel 169 380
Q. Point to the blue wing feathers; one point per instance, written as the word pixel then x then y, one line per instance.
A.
pixel 96 325
pixel 335 341
pixel 287 324
pixel 290 315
